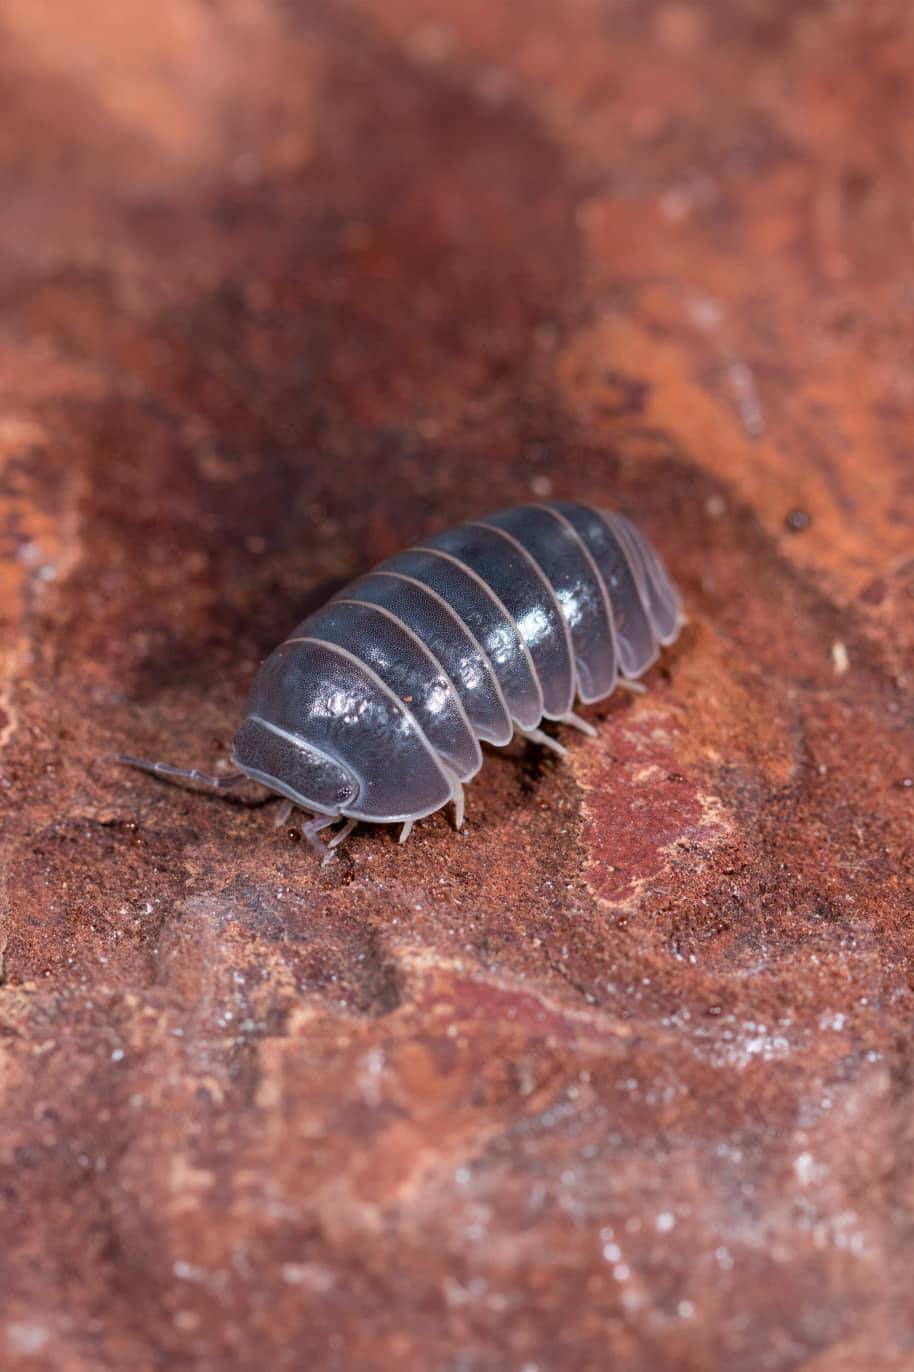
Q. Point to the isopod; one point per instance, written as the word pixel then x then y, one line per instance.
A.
pixel 374 707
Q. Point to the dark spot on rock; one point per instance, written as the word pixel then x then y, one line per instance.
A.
pixel 874 592
pixel 624 395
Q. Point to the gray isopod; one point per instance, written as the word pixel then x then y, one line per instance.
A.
pixel 374 707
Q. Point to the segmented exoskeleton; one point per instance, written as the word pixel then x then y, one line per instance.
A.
pixel 374 707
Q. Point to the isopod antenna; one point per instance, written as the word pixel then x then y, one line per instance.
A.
pixel 165 769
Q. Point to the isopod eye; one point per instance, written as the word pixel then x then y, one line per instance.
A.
pixel 293 768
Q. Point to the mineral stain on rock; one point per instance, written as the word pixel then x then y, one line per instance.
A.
pixel 637 806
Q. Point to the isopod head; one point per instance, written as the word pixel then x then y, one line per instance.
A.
pixel 363 752
pixel 293 768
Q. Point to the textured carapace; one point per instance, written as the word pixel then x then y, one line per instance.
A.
pixel 374 707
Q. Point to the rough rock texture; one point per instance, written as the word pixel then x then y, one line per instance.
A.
pixel 622 1075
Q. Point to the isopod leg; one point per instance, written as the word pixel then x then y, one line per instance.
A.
pixel 342 834
pixel 457 796
pixel 577 722
pixel 312 827
pixel 405 831
pixel 538 736
pixel 283 813
pixel 457 791
pixel 637 688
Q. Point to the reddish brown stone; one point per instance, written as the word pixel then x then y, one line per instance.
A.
pixel 622 1075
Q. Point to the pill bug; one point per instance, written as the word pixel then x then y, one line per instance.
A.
pixel 374 707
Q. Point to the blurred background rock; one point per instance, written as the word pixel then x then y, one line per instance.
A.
pixel 622 1075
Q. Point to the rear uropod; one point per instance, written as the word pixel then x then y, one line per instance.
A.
pixel 374 707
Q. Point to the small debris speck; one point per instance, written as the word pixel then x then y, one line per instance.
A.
pixel 805 1168
pixel 839 657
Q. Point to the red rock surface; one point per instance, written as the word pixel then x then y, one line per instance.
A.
pixel 622 1075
